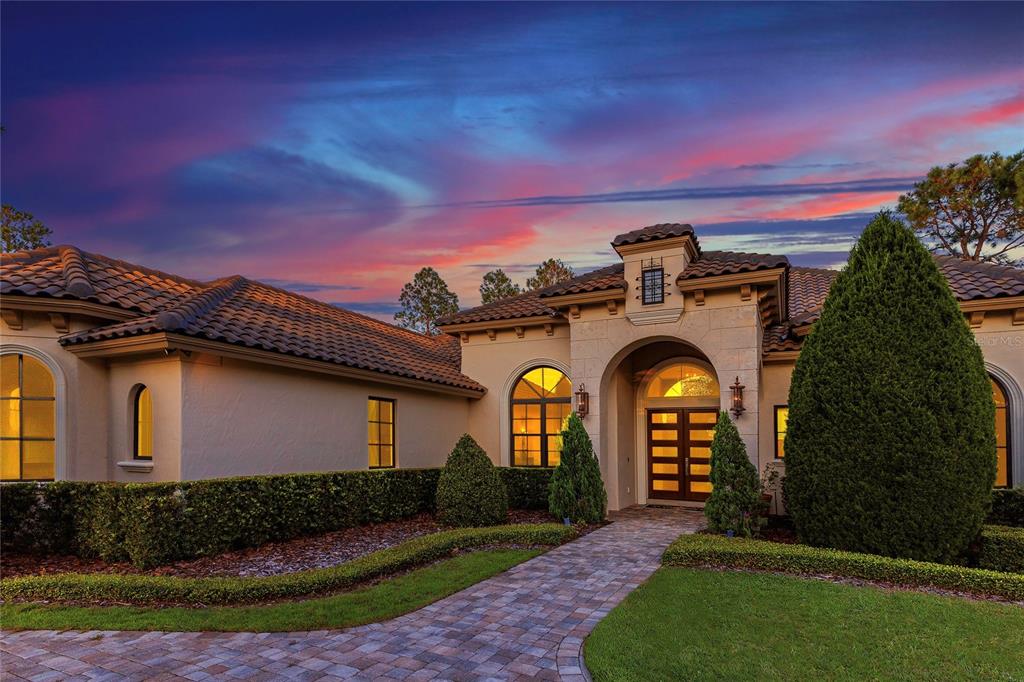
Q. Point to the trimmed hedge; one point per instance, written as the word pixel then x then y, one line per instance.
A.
pixel 155 523
pixel 1002 549
pixel 722 552
pixel 146 589
pixel 527 486
pixel 1007 507
pixel 470 492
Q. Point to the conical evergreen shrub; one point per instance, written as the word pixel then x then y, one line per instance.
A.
pixel 470 491
pixel 736 491
pixel 577 491
pixel 890 447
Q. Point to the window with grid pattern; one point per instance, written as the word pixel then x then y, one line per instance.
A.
pixel 381 432
pixel 541 405
pixel 27 419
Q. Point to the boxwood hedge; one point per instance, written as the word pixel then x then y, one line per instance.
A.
pixel 722 552
pixel 1007 507
pixel 147 589
pixel 1002 549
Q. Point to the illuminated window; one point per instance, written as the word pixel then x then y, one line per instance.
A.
pixel 541 404
pixel 27 421
pixel 381 431
pixel 143 417
pixel 683 380
pixel 1003 473
pixel 781 417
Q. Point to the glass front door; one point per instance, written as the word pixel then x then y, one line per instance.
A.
pixel 679 453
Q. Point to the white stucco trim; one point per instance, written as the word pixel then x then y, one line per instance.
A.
pixel 505 410
pixel 137 465
pixel 641 403
pixel 1015 412
pixel 60 464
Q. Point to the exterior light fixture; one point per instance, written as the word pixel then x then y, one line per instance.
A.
pixel 582 401
pixel 737 398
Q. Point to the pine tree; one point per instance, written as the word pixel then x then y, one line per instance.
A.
pixel 890 447
pixel 577 490
pixel 735 492
pixel 496 285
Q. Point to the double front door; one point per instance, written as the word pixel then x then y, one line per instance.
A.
pixel 679 452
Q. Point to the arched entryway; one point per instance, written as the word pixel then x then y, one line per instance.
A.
pixel 677 408
pixel 659 402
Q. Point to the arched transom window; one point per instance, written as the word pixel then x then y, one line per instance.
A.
pixel 27 419
pixel 683 380
pixel 541 404
pixel 1003 473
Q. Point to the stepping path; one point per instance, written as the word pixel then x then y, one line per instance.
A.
pixel 528 622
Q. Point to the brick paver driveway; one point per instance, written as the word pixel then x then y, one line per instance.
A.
pixel 528 622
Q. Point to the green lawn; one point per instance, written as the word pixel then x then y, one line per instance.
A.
pixel 387 599
pixel 689 624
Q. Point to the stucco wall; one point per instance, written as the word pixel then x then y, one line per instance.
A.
pixel 162 375
pixel 497 364
pixel 242 418
pixel 82 412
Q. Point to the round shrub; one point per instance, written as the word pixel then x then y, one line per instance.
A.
pixel 890 447
pixel 577 492
pixel 470 491
pixel 735 494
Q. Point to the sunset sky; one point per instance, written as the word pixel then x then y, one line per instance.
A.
pixel 335 149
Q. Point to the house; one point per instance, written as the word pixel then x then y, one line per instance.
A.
pixel 112 371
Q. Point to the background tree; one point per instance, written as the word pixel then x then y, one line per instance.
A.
pixel 22 230
pixel 577 492
pixel 735 493
pixel 890 447
pixel 425 299
pixel 496 285
pixel 973 210
pixel 552 271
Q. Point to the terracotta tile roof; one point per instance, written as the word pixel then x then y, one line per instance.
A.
pixel 66 272
pixel 970 280
pixel 730 262
pixel 532 303
pixel 807 290
pixel 654 233
pixel 233 310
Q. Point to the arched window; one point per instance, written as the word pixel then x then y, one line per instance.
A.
pixel 142 415
pixel 27 419
pixel 683 380
pixel 541 404
pixel 1003 473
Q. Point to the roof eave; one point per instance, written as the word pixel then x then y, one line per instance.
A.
pixel 164 341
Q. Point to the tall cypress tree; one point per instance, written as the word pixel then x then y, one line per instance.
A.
pixel 890 447
pixel 577 491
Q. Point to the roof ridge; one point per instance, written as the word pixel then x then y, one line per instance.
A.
pixel 1005 269
pixel 76 272
pixel 194 307
pixel 335 308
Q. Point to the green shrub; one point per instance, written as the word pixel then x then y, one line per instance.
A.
pixel 742 553
pixel 1002 549
pixel 1007 507
pixel 470 492
pixel 735 500
pixel 527 486
pixel 146 589
pixel 890 448
pixel 44 517
pixel 577 492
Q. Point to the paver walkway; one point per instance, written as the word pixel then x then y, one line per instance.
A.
pixel 528 622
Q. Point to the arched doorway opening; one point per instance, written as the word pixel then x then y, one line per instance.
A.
pixel 678 404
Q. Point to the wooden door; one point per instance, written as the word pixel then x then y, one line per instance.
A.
pixel 679 453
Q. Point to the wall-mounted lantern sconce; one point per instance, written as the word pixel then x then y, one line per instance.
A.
pixel 582 401
pixel 737 398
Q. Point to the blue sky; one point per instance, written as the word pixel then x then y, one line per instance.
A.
pixel 338 148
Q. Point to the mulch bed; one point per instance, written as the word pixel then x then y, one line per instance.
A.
pixel 274 558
